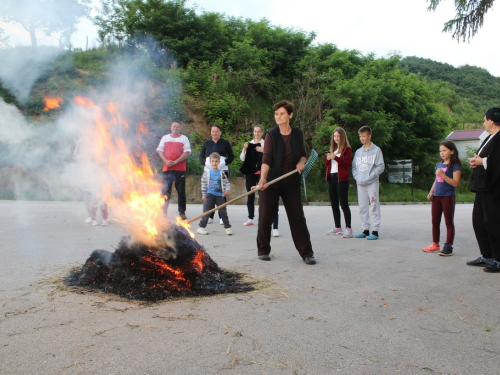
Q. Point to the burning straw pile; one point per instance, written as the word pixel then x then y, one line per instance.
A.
pixel 136 271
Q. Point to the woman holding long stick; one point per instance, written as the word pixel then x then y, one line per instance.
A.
pixel 284 151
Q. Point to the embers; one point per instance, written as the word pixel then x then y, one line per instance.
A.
pixel 137 272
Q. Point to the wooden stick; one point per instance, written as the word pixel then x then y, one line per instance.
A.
pixel 257 188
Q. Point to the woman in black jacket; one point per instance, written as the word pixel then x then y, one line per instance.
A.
pixel 486 184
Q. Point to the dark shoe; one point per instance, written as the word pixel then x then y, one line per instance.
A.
pixel 447 250
pixel 492 268
pixel 264 257
pixel 182 215
pixel 477 262
pixel 310 260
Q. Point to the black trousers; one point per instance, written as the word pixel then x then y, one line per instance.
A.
pixel 179 178
pixel 339 193
pixel 292 201
pixel 252 180
pixel 486 223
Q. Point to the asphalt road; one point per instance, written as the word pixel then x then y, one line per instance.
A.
pixel 366 307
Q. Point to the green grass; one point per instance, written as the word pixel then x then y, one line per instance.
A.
pixel 317 191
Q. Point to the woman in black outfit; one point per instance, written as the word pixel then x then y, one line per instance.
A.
pixel 486 184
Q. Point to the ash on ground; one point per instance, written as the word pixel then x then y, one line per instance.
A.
pixel 139 272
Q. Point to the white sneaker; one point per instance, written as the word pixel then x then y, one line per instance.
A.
pixel 210 220
pixel 105 223
pixel 229 232
pixel 94 223
pixel 337 231
pixel 221 222
pixel 88 220
pixel 201 230
pixel 347 233
pixel 276 233
pixel 248 222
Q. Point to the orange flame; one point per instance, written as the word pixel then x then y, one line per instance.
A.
pixel 131 190
pixel 184 224
pixel 52 103
pixel 198 261
pixel 165 268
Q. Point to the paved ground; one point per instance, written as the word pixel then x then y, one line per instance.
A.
pixel 367 307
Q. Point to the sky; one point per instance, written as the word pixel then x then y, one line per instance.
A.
pixel 381 27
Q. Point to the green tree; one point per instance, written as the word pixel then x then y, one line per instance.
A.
pixel 401 108
pixel 176 29
pixel 469 18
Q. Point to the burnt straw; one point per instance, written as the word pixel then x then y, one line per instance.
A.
pixel 136 271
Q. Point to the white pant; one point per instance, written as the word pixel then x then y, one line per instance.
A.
pixel 368 197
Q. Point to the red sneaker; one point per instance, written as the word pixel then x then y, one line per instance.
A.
pixel 431 248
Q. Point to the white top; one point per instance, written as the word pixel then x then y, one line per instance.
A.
pixel 485 160
pixel 335 166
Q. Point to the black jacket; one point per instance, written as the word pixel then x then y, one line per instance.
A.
pixel 222 147
pixel 488 180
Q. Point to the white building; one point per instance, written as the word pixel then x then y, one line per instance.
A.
pixel 467 139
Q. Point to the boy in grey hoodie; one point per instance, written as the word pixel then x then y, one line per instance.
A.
pixel 367 166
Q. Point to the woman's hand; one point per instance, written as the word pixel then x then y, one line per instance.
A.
pixel 475 161
pixel 245 146
pixel 203 198
pixel 430 195
pixel 226 193
pixel 440 173
pixel 259 149
pixel 300 167
pixel 261 185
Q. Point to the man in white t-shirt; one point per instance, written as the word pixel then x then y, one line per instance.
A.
pixel 173 149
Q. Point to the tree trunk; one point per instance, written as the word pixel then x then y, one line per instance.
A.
pixel 33 34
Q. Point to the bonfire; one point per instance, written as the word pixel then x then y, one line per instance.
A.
pixel 158 259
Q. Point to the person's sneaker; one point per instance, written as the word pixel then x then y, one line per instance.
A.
pixel 347 233
pixel 372 237
pixel 201 230
pixel 494 267
pixel 264 257
pixel 210 220
pixel 431 248
pixel 447 250
pixel 477 262
pixel 310 260
pixel 276 233
pixel 88 220
pixel 94 223
pixel 248 222
pixel 221 222
pixel 105 223
pixel 182 215
pixel 337 231
pixel 360 235
pixel 229 232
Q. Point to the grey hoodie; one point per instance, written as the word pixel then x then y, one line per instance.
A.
pixel 367 165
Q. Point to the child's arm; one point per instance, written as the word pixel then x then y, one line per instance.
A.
pixel 354 170
pixel 204 185
pixel 455 181
pixel 379 163
pixel 431 193
pixel 226 185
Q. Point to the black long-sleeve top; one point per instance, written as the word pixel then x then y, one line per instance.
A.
pixel 222 147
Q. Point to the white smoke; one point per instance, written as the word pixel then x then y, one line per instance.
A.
pixel 21 67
